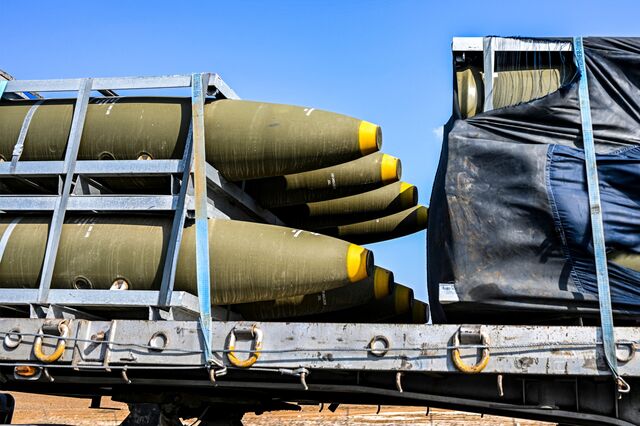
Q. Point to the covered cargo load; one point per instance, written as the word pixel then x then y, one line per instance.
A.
pixel 509 226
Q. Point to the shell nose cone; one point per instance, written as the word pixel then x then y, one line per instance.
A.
pixel 422 216
pixel 390 169
pixel 359 263
pixel 408 195
pixel 369 137
pixel 403 299
pixel 382 282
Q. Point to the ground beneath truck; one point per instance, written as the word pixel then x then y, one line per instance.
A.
pixel 41 409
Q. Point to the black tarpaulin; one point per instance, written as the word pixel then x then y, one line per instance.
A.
pixel 509 226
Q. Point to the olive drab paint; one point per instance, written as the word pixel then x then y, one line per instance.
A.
pixel 398 303
pixel 244 139
pixel 353 177
pixel 383 201
pixel 383 228
pixel 509 87
pixel 248 261
pixel 378 286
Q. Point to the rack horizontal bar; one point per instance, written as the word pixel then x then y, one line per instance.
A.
pixel 89 202
pixel 69 297
pixel 475 44
pixel 117 83
pixel 93 168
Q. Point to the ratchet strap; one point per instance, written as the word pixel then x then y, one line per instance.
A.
pixel 597 228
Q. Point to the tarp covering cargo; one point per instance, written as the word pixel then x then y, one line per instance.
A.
pixel 509 233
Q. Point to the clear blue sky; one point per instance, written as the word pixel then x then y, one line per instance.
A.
pixel 384 61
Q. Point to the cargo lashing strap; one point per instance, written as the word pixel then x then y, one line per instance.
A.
pixel 597 227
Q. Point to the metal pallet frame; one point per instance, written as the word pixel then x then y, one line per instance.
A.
pixel 192 169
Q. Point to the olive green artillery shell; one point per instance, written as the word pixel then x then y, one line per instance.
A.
pixel 383 201
pixel 470 89
pixel 384 228
pixel 399 302
pixel 253 139
pixel 626 259
pixel 244 139
pixel 419 314
pixel 509 87
pixel 248 261
pixel 514 87
pixel 377 286
pixel 353 177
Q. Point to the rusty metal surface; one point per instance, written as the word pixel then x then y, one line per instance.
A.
pixel 533 350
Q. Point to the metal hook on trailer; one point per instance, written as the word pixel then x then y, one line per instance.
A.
pixel 298 372
pixel 623 386
pixel 63 329
pixel 213 373
pixel 126 378
pixel 256 335
pixel 399 375
pixel 631 353
pixel 457 359
pixel 49 377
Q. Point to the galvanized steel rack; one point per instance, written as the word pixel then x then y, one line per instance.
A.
pixel 543 372
pixel 192 177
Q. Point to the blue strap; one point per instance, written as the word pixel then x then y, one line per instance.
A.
pixel 202 224
pixel 597 228
pixel 3 85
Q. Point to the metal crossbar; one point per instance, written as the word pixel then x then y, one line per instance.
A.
pixel 73 145
pixel 177 227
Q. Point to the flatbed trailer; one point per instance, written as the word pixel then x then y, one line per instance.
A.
pixel 168 356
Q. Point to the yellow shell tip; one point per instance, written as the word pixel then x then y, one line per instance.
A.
pixel 408 195
pixel 422 216
pixel 357 263
pixel 381 283
pixel 369 137
pixel 390 169
pixel 403 297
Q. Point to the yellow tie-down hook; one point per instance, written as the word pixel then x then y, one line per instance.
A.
pixel 256 335
pixel 457 359
pixel 63 330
